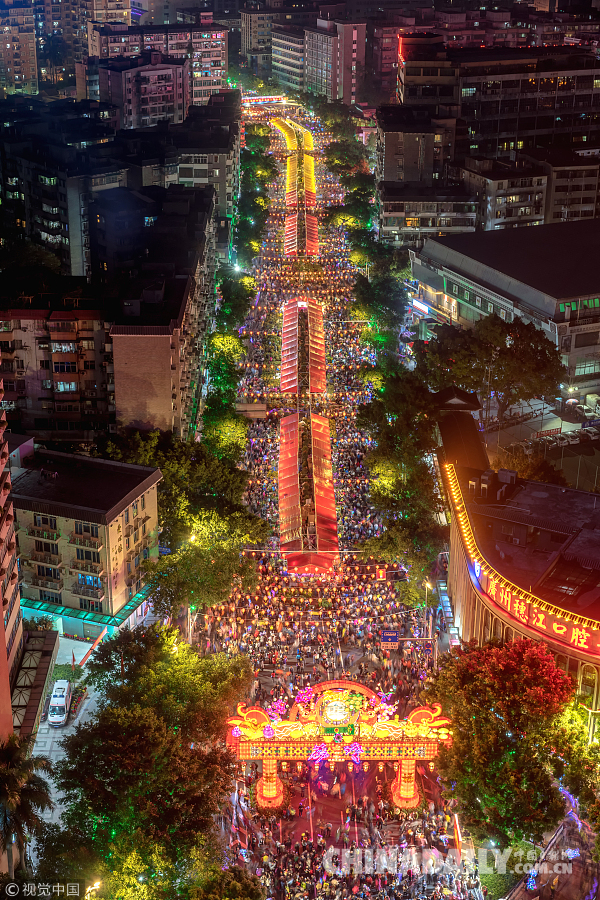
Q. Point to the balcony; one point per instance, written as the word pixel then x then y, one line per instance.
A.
pixel 43 533
pixel 80 540
pixel 51 584
pixel 93 568
pixel 50 559
pixel 82 590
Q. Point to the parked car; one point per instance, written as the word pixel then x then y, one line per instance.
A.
pixel 561 440
pixel 593 432
pixel 584 435
pixel 573 437
pixel 60 703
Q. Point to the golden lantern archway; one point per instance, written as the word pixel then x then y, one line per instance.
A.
pixel 338 721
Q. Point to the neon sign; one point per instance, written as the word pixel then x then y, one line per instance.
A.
pixel 522 606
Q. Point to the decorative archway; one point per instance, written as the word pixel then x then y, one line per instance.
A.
pixel 338 721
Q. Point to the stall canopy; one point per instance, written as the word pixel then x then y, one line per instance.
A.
pixel 326 518
pixel 312 236
pixel 289 349
pixel 316 348
pixel 290 240
pixel 290 519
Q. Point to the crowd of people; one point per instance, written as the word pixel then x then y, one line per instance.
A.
pixel 298 632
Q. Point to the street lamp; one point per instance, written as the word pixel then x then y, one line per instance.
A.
pixel 92 888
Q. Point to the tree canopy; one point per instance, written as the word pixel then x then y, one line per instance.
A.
pixel 511 736
pixel 515 359
pixel 194 478
pixel 144 777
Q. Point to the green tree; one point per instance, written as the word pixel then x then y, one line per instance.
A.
pixel 231 884
pixel 193 478
pixel 24 794
pixel 533 467
pixel 345 156
pixel 201 572
pixel 515 359
pixel 385 299
pixel 504 702
pixel 150 769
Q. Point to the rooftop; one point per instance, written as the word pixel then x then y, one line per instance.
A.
pixel 557 556
pixel 392 117
pixel 392 190
pixel 533 256
pixel 559 157
pixel 94 490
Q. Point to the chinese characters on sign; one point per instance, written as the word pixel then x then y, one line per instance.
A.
pixel 528 614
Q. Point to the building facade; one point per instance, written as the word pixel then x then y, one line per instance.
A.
pixel 84 528
pixel 509 99
pixel 18 49
pixel 523 563
pixel 11 627
pixel 508 195
pixel 205 45
pixel 573 184
pixel 510 273
pixel 58 372
pixel 334 59
pixel 146 90
pixel 409 214
pixel 287 63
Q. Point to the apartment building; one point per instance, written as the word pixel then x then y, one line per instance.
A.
pixel 509 194
pixel 12 629
pixel 256 30
pixel 209 146
pixel 411 146
pixel 509 99
pixel 84 528
pixel 50 169
pixel 334 59
pixel 287 65
pixel 205 45
pixel 522 274
pixel 53 168
pixel 18 55
pixel 146 90
pixel 64 377
pixel 573 184
pixel 382 55
pixel 159 342
pixel 410 213
pixel 57 365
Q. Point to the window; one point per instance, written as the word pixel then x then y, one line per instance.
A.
pixel 86 528
pixel 469 91
pixel 588 682
pixel 45 522
pixel 65 386
pixel 143 501
pixel 63 347
pixel 65 366
pixel 490 307
pixel 88 555
pixel 134 509
pixel 46 547
pixel 478 301
pixel 50 597
pixel 126 516
pixel 44 363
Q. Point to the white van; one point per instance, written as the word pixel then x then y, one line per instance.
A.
pixel 60 703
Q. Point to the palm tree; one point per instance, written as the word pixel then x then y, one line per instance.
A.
pixel 23 794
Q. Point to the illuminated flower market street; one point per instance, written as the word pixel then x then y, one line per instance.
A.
pixel 313 626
